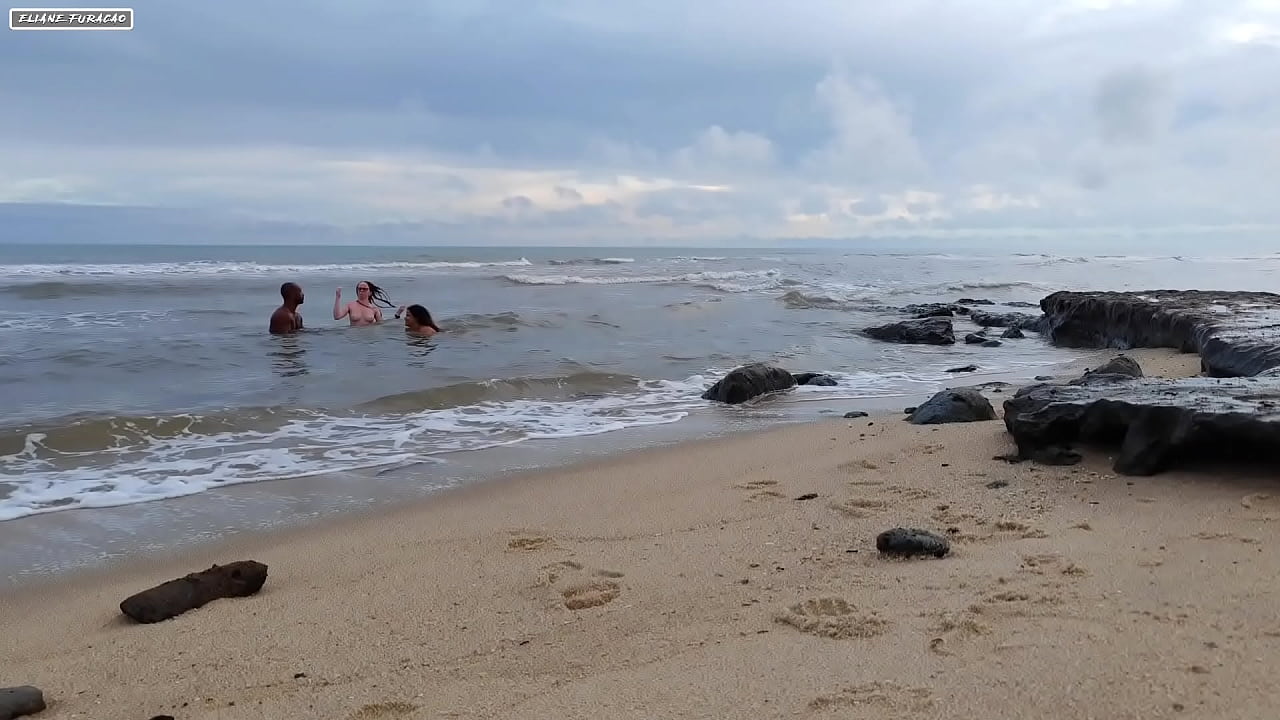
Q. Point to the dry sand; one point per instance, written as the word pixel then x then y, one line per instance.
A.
pixel 691 582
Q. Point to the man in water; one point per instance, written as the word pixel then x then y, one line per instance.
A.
pixel 286 319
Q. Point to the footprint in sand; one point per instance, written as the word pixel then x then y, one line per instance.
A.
pixel 384 710
pixel 591 594
pixel 860 507
pixel 831 617
pixel 579 588
pixel 880 698
pixel 530 542
pixel 762 490
pixel 1264 505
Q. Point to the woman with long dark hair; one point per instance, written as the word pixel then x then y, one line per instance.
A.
pixel 417 320
pixel 365 309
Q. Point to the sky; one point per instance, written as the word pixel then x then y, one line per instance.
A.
pixel 592 122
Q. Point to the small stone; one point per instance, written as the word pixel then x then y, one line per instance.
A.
pixel 997 484
pixel 807 496
pixel 855 414
pixel 20 700
pixel 906 542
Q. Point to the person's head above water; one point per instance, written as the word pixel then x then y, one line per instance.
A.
pixel 291 292
pixel 369 294
pixel 417 318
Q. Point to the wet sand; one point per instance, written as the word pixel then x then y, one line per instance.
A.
pixel 691 581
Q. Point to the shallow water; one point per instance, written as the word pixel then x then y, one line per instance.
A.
pixel 143 373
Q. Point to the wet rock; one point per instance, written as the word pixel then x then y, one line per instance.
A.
pixel 963 369
pixel 997 484
pixel 929 331
pixel 743 383
pixel 1156 423
pixel 814 379
pixel 1237 334
pixel 238 579
pixel 991 343
pixel 854 414
pixel 909 410
pixel 1022 321
pixel 953 406
pixel 975 338
pixel 1042 378
pixel 1021 304
pixel 807 496
pixel 18 701
pixel 928 310
pixel 1013 333
pixel 974 301
pixel 1118 365
pixel 906 542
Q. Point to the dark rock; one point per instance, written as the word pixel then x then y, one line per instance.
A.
pixel 807 496
pixel 975 338
pixel 929 331
pixel 991 343
pixel 928 310
pixel 743 383
pixel 1118 365
pixel 19 701
pixel 1235 333
pixel 814 379
pixel 1019 303
pixel 909 410
pixel 162 717
pixel 997 484
pixel 963 369
pixel 1156 423
pixel 952 406
pixel 1021 321
pixel 855 414
pixel 170 599
pixel 906 542
pixel 1012 333
pixel 1042 378
pixel 973 301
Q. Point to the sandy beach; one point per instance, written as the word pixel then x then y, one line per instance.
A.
pixel 694 582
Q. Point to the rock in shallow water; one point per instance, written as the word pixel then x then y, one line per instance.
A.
pixel 952 406
pixel 18 701
pixel 1157 423
pixel 749 381
pixel 1013 333
pixel 854 414
pixel 929 331
pixel 811 378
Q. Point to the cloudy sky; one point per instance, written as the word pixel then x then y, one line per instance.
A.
pixel 682 120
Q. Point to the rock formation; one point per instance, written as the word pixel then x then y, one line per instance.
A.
pixel 1155 422
pixel 927 331
pixel 1235 333
pixel 952 406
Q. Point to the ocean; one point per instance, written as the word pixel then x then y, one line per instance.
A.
pixel 138 375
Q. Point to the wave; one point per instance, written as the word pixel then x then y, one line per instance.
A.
pixel 723 281
pixel 593 261
pixel 219 268
pixel 104 461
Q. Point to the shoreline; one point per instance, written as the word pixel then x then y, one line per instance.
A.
pixel 668 581
pixel 260 510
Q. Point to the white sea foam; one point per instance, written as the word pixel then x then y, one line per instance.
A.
pixel 727 281
pixel 216 268
pixel 40 479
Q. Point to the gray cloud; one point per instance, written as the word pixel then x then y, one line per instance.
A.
pixel 664 118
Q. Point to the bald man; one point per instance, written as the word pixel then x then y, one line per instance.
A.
pixel 286 319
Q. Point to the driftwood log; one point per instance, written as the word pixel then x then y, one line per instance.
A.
pixel 18 701
pixel 170 599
